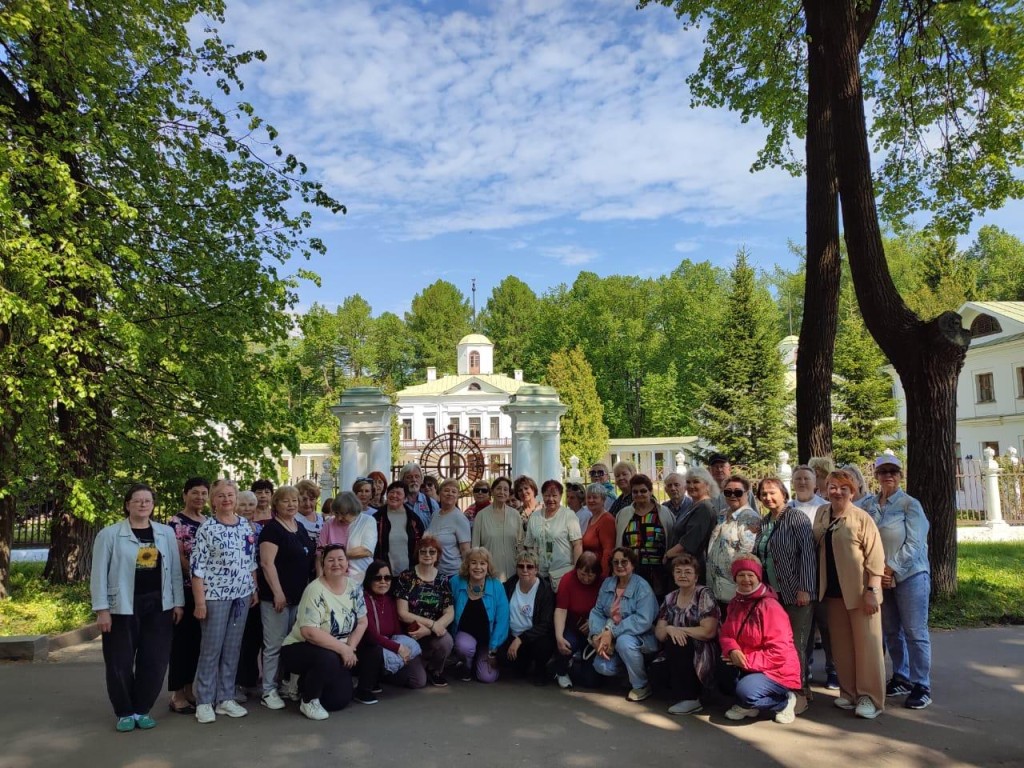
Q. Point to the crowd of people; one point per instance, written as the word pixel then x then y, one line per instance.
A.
pixel 719 592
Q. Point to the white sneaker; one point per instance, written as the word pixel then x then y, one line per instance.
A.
pixel 313 710
pixel 231 708
pixel 736 712
pixel 843 703
pixel 866 708
pixel 272 701
pixel 686 707
pixel 639 694
pixel 205 713
pixel 788 714
pixel 564 682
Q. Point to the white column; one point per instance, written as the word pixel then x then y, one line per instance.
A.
pixel 364 418
pixel 993 503
pixel 326 481
pixel 380 454
pixel 551 467
pixel 522 463
pixel 785 470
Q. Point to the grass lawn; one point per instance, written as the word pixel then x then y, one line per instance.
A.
pixel 991 578
pixel 991 592
pixel 37 607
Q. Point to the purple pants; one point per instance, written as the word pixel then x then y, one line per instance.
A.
pixel 466 649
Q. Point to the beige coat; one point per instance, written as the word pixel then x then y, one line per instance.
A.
pixel 857 548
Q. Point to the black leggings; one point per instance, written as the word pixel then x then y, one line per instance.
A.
pixel 323 675
pixel 135 652
pixel 185 641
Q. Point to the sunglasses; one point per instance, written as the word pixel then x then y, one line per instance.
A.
pixel 526 566
pixel 382 577
pixel 364 480
pixel 887 471
pixel 597 473
pixel 481 490
pixel 733 493
pixel 428 551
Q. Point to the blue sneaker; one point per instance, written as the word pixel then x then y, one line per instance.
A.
pixel 145 722
pixel 125 724
pixel 832 681
pixel 919 698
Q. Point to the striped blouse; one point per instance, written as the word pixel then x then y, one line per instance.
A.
pixel 794 557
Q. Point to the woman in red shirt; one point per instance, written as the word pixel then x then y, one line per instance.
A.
pixel 599 537
pixel 575 599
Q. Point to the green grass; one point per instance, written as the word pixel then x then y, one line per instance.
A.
pixel 991 587
pixel 37 607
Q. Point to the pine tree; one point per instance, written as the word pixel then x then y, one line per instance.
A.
pixel 584 433
pixel 744 397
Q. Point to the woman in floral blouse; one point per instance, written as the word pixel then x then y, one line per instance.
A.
pixel 425 606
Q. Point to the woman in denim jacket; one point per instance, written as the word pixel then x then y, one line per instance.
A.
pixel 622 624
pixel 907 583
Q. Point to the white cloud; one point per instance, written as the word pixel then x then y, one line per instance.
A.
pixel 425 122
pixel 569 255
pixel 686 246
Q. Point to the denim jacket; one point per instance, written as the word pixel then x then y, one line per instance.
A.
pixel 495 603
pixel 112 582
pixel 904 530
pixel 639 608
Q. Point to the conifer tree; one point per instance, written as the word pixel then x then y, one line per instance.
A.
pixel 584 433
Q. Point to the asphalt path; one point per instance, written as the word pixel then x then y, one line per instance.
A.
pixel 57 714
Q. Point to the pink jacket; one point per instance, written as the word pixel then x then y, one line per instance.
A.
pixel 759 627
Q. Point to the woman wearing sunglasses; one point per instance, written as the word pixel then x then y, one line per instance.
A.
pixel 531 612
pixel 401 661
pixel 733 537
pixel 622 624
pixel 424 601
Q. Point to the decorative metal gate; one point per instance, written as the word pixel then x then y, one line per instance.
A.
pixel 453 456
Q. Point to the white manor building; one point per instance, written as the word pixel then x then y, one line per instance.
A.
pixel 470 401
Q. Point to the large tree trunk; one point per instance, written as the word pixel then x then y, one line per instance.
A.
pixel 927 355
pixel 70 557
pixel 7 509
pixel 814 362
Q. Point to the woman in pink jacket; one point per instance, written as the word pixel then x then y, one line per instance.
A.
pixel 757 638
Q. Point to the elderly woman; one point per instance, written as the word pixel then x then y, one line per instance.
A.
pixel 481 616
pixel 733 537
pixel 822 466
pixel 321 647
pixel 576 598
pixel 424 601
pixel 525 493
pixel 785 547
pixel 756 638
pixel 622 624
pixel 499 529
pixel 181 671
pixel 363 489
pixel 399 528
pixel 286 556
pixel 554 534
pixel 906 583
pixel 451 528
pixel 644 527
pixel 692 530
pixel 481 500
pixel 576 500
pixel 400 654
pixel 862 486
pixel 356 532
pixel 687 627
pixel 248 676
pixel 622 472
pixel 599 537
pixel 851 564
pixel 137 594
pixel 380 486
pixel 224 588
pixel 531 609
pixel 310 520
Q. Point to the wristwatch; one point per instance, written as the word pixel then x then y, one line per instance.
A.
pixel 874 590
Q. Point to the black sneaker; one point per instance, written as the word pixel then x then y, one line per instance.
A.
pixel 378 689
pixel 832 681
pixel 464 672
pixel 897 687
pixel 364 697
pixel 438 680
pixel 919 698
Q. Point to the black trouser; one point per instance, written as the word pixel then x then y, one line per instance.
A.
pixel 677 672
pixel 657 577
pixel 248 674
pixel 323 675
pixel 135 651
pixel 533 653
pixel 187 636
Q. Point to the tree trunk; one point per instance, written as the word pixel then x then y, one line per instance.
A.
pixel 814 361
pixel 927 356
pixel 7 509
pixel 70 557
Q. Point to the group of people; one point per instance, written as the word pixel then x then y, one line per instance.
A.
pixel 271 596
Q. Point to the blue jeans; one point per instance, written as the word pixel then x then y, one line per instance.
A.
pixel 577 642
pixel 629 651
pixel 905 627
pixel 758 691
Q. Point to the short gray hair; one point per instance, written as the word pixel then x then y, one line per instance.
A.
pixel 346 503
pixel 699 473
pixel 409 468
pixel 597 489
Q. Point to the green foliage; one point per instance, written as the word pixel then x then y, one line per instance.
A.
pixel 744 397
pixel 37 607
pixel 863 406
pixel 507 320
pixel 999 260
pixel 438 318
pixel 583 431
pixel 990 587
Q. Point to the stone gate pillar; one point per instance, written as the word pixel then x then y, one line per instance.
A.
pixel 364 416
pixel 535 411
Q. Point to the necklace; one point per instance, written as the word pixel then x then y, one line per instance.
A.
pixel 475 590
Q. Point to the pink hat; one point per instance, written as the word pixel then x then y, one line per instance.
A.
pixel 747 564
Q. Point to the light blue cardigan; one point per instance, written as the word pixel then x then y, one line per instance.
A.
pixel 112 582
pixel 495 603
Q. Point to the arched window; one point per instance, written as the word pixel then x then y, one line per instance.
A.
pixel 984 325
pixel 474 387
pixel 474 363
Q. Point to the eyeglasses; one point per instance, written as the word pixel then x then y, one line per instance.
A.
pixel 382 577
pixel 733 493
pixel 428 551
pixel 621 563
pixel 482 490
pixel 597 473
pixel 526 566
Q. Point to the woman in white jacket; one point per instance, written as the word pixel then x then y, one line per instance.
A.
pixel 137 595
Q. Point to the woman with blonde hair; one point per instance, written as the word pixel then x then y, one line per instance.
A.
pixel 481 616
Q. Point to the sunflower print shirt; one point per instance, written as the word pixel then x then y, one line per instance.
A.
pixel 147 563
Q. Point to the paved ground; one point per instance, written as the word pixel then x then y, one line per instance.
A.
pixel 57 714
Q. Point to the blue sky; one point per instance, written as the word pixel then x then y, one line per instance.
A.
pixel 529 137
